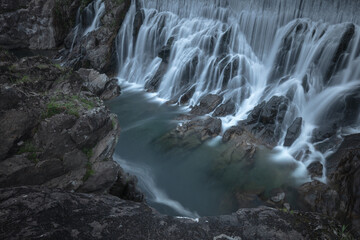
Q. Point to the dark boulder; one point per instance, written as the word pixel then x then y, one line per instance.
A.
pixel 192 133
pixel 225 109
pixel 153 84
pixel 165 51
pixel 207 104
pixel 293 132
pixel 341 51
pixel 315 169
pixel 265 120
pixel 138 21
pixel 184 99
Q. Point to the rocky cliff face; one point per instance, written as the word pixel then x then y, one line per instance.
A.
pixel 97 48
pixel 36 24
pixel 55 131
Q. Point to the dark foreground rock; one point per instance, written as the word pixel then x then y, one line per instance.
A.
pixel 55 131
pixel 340 197
pixel 32 213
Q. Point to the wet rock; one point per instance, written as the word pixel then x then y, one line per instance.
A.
pixel 340 197
pixel 165 51
pixel 264 120
pixel 293 132
pixel 224 42
pixel 153 84
pixel 324 132
pixel 103 216
pixel 225 109
pixel 184 99
pixel 192 133
pixel 315 169
pixel 138 21
pixel 207 104
pixel 342 49
pixel 274 110
pixel 97 49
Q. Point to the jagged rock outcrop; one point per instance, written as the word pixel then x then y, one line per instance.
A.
pixel 340 197
pixel 100 84
pixel 36 24
pixel 52 214
pixel 207 104
pixel 97 49
pixel 192 133
pixel 55 131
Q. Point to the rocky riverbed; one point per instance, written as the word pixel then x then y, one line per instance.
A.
pixel 58 179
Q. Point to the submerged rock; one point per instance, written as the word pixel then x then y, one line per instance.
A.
pixel 74 215
pixel 192 133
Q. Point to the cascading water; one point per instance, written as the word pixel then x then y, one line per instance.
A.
pixel 250 51
pixel 87 20
pixel 95 10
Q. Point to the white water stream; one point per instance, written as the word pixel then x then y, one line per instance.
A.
pixel 250 51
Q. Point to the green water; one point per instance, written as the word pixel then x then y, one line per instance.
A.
pixel 201 180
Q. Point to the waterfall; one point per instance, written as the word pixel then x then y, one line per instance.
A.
pixel 249 51
pixel 94 11
pixel 87 20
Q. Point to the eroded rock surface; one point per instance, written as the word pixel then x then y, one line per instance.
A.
pixel 340 197
pixel 55 130
pixel 36 24
pixel 97 49
pixel 49 214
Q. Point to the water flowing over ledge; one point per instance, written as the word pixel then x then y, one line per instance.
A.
pixel 249 53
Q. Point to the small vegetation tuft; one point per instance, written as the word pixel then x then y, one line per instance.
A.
pixel 89 172
pixel 88 152
pixel 71 105
pixel 31 150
